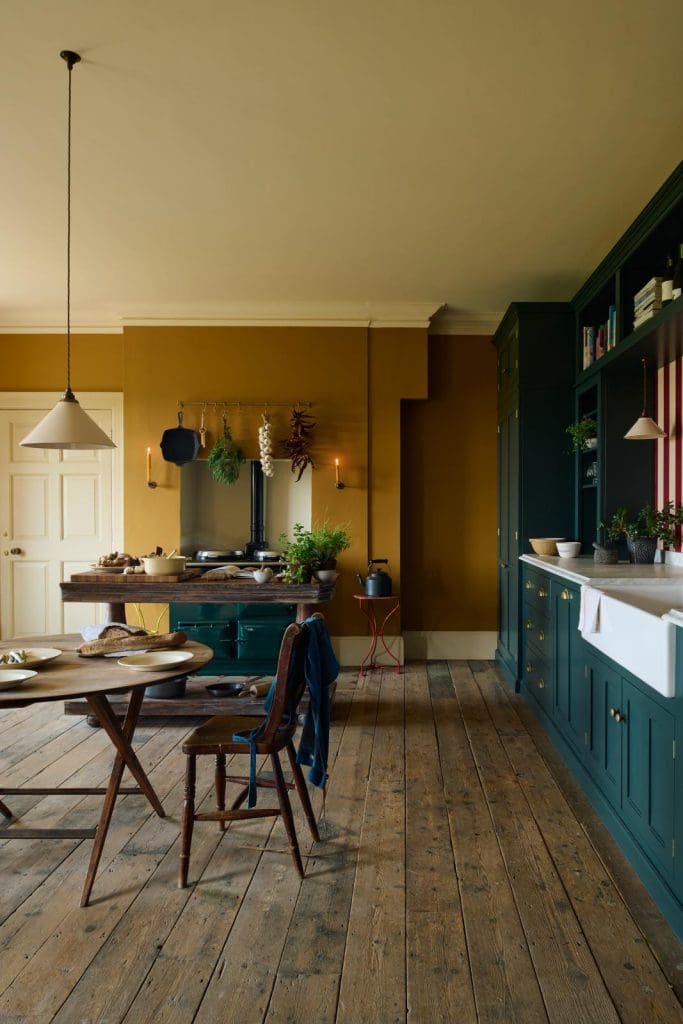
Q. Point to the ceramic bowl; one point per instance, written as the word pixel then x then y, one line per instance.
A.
pixel 263 575
pixel 163 566
pixel 325 575
pixel 568 548
pixel 544 545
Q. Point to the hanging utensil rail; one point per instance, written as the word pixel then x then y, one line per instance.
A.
pixel 232 404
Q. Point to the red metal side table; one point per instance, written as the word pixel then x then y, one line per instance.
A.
pixel 390 606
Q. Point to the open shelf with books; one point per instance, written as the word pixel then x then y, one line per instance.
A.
pixel 648 322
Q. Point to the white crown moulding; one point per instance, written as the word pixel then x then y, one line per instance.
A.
pixel 375 315
pixel 61 329
pixel 465 321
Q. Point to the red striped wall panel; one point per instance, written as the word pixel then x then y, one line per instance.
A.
pixel 669 467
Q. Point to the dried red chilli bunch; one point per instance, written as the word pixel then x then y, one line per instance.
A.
pixel 298 443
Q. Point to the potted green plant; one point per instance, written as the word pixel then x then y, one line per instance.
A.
pixel 583 434
pixel 312 552
pixel 646 530
pixel 612 530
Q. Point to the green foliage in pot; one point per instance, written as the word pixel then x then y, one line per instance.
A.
pixel 657 524
pixel 581 433
pixel 311 550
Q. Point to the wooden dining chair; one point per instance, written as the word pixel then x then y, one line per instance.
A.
pixel 276 732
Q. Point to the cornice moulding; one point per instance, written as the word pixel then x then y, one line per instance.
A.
pixel 465 321
pixel 61 329
pixel 362 315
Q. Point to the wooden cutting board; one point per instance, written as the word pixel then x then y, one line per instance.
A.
pixel 132 577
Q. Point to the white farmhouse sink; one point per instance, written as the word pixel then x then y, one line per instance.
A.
pixel 634 632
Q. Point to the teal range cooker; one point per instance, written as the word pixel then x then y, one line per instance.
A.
pixel 245 638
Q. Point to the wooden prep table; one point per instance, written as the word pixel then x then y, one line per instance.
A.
pixel 115 591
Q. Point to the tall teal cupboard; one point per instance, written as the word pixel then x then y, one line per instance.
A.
pixel 535 359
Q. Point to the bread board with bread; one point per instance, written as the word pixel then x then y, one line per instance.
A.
pixel 138 642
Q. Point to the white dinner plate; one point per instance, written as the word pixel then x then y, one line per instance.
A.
pixel 155 660
pixel 34 656
pixel 12 677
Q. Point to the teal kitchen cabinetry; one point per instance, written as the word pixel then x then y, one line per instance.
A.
pixel 535 353
pixel 603 741
pixel 569 690
pixel 616 734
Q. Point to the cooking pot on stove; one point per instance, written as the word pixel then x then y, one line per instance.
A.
pixel 377 583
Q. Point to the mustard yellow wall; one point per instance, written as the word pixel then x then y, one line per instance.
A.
pixel 37 362
pixel 325 366
pixel 449 493
pixel 356 379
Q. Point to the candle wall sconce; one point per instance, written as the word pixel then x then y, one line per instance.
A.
pixel 150 483
pixel 337 480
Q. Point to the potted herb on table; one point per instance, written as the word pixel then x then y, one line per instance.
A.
pixel 313 552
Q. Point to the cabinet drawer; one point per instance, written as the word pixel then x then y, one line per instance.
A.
pixel 536 590
pixel 537 675
pixel 536 629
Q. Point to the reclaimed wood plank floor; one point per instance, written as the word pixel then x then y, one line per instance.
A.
pixel 462 876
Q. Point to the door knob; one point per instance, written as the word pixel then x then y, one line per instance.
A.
pixel 15 551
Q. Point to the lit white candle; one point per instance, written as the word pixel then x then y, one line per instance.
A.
pixel 336 471
pixel 149 465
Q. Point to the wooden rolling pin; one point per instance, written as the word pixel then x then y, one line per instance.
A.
pixel 255 690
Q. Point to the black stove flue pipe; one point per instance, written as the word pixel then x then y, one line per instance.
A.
pixel 257 541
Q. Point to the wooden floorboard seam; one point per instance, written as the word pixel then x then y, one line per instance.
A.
pixel 276 973
pixel 513 704
pixel 544 842
pixel 561 782
pixel 546 989
pixel 498 841
pixel 456 872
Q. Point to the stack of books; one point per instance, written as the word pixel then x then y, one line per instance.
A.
pixel 647 301
pixel 598 340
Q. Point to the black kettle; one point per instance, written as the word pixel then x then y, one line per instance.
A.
pixel 378 582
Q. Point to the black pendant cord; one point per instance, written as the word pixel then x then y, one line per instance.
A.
pixel 71 58
pixel 644 387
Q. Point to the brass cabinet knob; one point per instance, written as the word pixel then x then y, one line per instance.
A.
pixel 541 635
pixel 503 565
pixel 620 717
pixel 542 592
pixel 15 551
pixel 613 712
pixel 529 585
pixel 541 684
pixel 529 667
pixel 529 625
pixel 565 595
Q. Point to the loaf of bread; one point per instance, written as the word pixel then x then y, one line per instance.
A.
pixel 113 644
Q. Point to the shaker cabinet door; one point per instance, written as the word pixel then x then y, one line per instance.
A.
pixel 604 730
pixel 571 691
pixel 648 773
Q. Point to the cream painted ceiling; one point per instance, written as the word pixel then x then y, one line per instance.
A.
pixel 312 158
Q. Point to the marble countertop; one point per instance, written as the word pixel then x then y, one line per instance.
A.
pixel 585 570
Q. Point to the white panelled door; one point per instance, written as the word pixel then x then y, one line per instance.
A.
pixel 59 510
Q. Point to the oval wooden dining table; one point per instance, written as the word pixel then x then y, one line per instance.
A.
pixel 71 675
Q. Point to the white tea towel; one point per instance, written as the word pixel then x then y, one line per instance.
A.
pixel 589 613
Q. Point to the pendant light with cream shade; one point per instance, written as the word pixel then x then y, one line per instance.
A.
pixel 68 426
pixel 645 428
